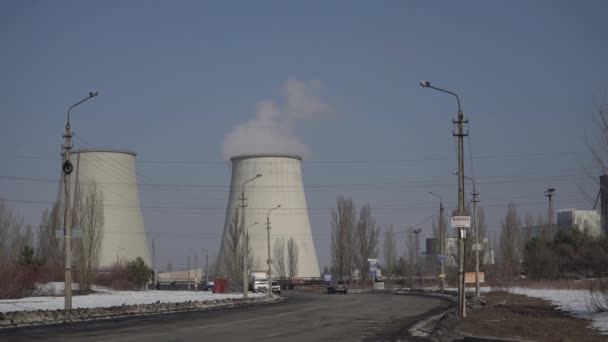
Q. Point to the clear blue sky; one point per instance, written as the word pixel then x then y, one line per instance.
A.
pixel 175 77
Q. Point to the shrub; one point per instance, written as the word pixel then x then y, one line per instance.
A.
pixel 139 273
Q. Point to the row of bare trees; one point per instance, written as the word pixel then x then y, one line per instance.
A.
pixel 352 241
pixel 285 258
pixel 43 249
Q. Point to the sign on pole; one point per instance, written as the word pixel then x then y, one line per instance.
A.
pixel 461 221
pixel 469 277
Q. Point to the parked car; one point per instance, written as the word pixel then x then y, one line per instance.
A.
pixel 337 287
pixel 276 288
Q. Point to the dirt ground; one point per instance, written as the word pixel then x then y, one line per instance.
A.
pixel 509 315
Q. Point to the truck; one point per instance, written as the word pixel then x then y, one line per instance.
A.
pixel 258 281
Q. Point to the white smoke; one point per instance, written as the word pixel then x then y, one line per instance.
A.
pixel 272 128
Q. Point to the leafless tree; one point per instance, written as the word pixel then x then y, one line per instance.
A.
pixel 278 253
pixel 232 251
pixel 366 239
pixel 411 254
pixel 510 245
pixel 293 254
pixel 89 208
pixel 342 232
pixel 49 246
pixel 389 250
pixel 11 237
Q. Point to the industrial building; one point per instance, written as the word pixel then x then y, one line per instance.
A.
pixel 587 221
pixel 281 184
pixel 113 172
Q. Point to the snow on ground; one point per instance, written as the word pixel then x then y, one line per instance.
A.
pixel 107 298
pixel 576 302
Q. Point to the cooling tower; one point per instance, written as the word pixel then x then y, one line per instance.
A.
pixel 281 183
pixel 113 172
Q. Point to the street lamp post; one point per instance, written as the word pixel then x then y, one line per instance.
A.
pixel 206 268
pixel 460 134
pixel 118 250
pixel 550 193
pixel 269 261
pixel 67 214
pixel 244 231
pixel 441 243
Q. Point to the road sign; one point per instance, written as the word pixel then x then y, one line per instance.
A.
pixel 469 277
pixel 372 273
pixel 441 257
pixel 461 221
pixel 442 275
pixel 373 260
pixel 327 277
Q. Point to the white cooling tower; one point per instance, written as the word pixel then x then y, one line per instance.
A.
pixel 124 237
pixel 281 183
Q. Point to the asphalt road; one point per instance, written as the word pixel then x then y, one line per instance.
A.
pixel 302 317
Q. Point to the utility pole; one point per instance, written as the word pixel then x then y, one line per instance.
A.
pixel 188 271
pixel 550 193
pixel 417 249
pixel 154 263
pixel 206 269
pixel 477 243
pixel 462 232
pixel 245 235
pixel 67 214
pixel 269 261
pixel 195 271
pixel 441 243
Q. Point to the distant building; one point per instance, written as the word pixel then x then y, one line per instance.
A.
pixel 583 220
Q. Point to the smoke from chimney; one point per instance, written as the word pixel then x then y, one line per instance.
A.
pixel 272 130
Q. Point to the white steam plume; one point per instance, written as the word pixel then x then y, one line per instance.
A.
pixel 272 129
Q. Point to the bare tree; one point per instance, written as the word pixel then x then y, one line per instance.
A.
pixel 366 238
pixel 232 252
pixel 411 255
pixel 49 246
pixel 11 235
pixel 342 228
pixel 278 253
pixel 293 252
pixel 90 218
pixel 510 245
pixel 389 250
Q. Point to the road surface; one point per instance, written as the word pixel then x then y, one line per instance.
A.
pixel 302 317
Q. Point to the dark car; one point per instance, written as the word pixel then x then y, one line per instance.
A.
pixel 337 287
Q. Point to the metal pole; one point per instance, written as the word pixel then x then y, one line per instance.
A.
pixel 245 236
pixel 442 246
pixel 67 214
pixel 461 134
pixel 206 269
pixel 268 261
pixel 461 285
pixel 154 263
pixel 477 244
pixel 195 271
pixel 188 271
pixel 441 243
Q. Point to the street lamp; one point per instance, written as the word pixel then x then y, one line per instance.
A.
pixel 206 268
pixel 118 250
pixel 441 243
pixel 460 135
pixel 243 206
pixel 269 261
pixel 475 231
pixel 67 168
pixel 549 194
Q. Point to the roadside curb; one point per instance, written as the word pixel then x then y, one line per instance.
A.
pixel 20 319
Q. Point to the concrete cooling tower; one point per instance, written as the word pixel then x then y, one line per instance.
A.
pixel 113 172
pixel 280 183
